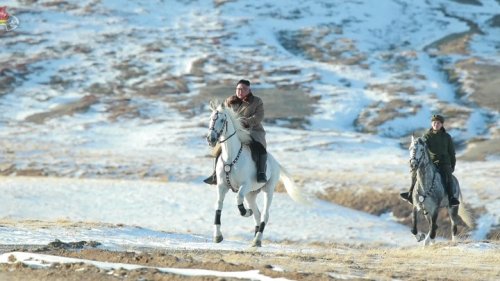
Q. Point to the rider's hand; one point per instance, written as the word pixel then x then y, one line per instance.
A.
pixel 244 122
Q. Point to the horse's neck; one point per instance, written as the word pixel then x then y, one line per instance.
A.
pixel 232 145
pixel 425 172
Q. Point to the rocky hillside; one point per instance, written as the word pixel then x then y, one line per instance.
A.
pixel 79 77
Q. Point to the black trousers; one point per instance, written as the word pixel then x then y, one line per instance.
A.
pixel 259 155
pixel 446 177
pixel 257 149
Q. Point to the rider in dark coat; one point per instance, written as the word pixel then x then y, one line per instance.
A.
pixel 251 109
pixel 442 153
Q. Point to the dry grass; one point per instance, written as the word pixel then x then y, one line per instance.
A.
pixel 494 234
pixel 443 261
pixel 380 112
pixel 369 201
pixel 81 105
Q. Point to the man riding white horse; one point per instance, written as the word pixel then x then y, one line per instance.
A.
pixel 251 109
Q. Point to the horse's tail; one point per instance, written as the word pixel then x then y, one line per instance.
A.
pixel 464 213
pixel 295 192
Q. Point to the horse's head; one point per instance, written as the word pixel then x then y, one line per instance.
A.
pixel 217 125
pixel 417 150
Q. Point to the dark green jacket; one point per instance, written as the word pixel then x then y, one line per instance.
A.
pixel 441 147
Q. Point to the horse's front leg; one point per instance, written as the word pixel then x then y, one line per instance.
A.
pixel 218 212
pixel 242 192
pixel 432 218
pixel 418 236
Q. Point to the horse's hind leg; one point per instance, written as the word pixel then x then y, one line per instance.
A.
pixel 251 199
pixel 257 241
pixel 220 202
pixel 453 214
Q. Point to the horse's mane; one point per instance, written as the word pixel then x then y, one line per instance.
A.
pixel 242 133
pixel 427 155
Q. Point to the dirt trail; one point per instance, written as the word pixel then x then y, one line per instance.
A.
pixel 315 262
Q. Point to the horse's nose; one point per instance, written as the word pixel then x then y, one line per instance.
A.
pixel 211 139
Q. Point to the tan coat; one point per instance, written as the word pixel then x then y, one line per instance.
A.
pixel 253 112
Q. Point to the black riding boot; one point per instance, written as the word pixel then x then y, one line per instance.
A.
pixel 261 168
pixel 408 196
pixel 447 179
pixel 451 198
pixel 213 178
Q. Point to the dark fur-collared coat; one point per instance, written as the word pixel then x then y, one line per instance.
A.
pixel 252 111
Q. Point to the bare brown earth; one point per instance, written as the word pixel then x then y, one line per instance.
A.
pixel 480 149
pixel 312 262
pixel 290 105
pixel 479 88
pixel 67 109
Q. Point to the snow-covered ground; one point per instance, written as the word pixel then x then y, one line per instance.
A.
pixel 174 208
pixel 122 52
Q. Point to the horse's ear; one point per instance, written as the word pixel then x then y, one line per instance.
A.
pixel 214 104
pixel 412 137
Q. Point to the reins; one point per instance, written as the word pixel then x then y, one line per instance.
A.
pixel 222 141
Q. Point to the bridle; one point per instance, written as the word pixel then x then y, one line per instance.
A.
pixel 422 197
pixel 227 166
pixel 224 126
pixel 414 158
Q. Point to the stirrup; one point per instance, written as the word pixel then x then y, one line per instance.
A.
pixel 261 177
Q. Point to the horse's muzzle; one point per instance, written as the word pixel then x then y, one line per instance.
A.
pixel 413 164
pixel 211 139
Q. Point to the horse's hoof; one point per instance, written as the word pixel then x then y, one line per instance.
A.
pixel 257 243
pixel 427 242
pixel 249 213
pixel 218 239
pixel 419 237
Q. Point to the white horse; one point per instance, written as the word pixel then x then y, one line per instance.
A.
pixel 429 194
pixel 236 171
